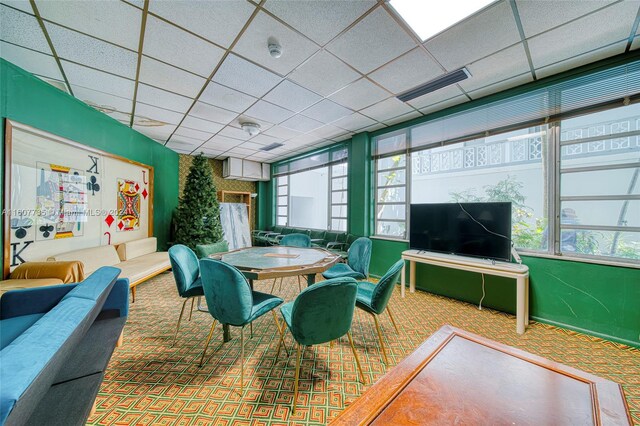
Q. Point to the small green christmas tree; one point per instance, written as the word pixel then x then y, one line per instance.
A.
pixel 198 214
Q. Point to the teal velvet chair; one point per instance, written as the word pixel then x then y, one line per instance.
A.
pixel 358 259
pixel 231 301
pixel 321 313
pixel 186 272
pixel 374 299
pixel 296 240
pixel 293 240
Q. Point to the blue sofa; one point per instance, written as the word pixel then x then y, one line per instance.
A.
pixel 55 343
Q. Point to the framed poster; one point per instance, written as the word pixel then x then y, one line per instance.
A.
pixel 61 196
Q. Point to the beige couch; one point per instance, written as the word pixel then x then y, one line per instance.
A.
pixel 138 260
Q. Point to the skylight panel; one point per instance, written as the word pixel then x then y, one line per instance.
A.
pixel 428 18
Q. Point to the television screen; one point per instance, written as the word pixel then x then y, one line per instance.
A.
pixel 466 229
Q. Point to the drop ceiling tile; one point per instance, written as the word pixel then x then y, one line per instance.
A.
pixel 408 71
pixel 22 29
pixel 23 5
pixel 210 153
pixel 583 35
pixel 263 139
pixel 185 140
pixel 385 110
pixel 354 122
pixel 324 74
pixel 503 65
pixel 583 59
pixel 327 111
pixel 301 123
pixel 240 151
pixel 291 96
pixel 163 99
pixel 372 42
pixel 32 61
pixel 373 128
pixel 218 21
pixel 359 94
pixel 329 131
pixel 221 143
pixel 301 140
pixel 501 85
pixel 480 35
pixel 159 114
pixel 212 113
pixel 181 145
pixel 542 15
pixel 172 45
pixel 246 77
pixel 435 97
pixel 266 111
pixel 224 97
pixel 98 80
pixel 253 44
pixel 320 21
pixel 92 52
pixel 112 21
pixel 202 125
pixel 402 118
pixel 281 132
pixel 102 101
pixel 234 132
pixel 159 133
pixel 169 78
pixel 252 146
pixel 193 134
pixel 444 104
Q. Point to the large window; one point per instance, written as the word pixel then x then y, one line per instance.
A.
pixel 312 192
pixel 574 183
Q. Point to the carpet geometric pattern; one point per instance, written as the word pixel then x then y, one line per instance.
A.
pixel 149 382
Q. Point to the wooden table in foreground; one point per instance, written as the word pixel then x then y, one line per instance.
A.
pixel 456 377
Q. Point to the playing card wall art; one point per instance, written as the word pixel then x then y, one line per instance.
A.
pixel 64 196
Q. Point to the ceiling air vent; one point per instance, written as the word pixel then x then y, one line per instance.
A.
pixel 272 146
pixel 437 83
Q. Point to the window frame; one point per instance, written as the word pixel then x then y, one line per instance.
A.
pixel 554 200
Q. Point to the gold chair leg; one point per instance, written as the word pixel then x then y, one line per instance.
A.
pixel 175 336
pixel 281 333
pixel 297 377
pixel 207 342
pixel 393 321
pixel 241 361
pixel 355 354
pixel 273 285
pixel 384 353
pixel 299 285
pixel 193 299
pixel 133 295
pixel 280 286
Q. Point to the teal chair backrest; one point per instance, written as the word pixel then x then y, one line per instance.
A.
pixel 184 264
pixel 324 311
pixel 359 255
pixel 296 240
pixel 382 292
pixel 227 292
pixel 204 250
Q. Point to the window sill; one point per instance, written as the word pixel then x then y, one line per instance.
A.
pixel 596 261
pixel 382 237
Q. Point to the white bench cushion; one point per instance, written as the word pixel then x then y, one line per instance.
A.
pixel 92 258
pixel 143 266
pixel 132 249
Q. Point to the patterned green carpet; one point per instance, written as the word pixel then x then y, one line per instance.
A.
pixel 149 382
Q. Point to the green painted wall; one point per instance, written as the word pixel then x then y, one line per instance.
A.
pixel 596 299
pixel 359 177
pixel 29 100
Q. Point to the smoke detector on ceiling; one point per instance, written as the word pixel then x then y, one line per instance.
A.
pixel 251 128
pixel 275 50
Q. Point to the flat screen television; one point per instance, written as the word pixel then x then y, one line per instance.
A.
pixel 466 229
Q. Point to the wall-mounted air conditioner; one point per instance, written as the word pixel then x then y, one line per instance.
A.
pixel 239 169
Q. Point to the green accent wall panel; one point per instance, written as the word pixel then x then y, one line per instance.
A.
pixel 359 176
pixel 27 99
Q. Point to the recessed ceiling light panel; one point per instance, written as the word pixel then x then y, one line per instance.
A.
pixel 428 18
